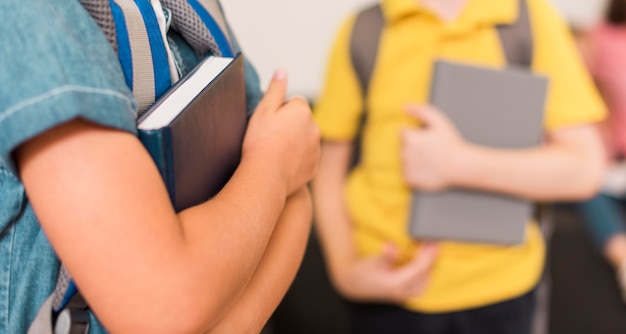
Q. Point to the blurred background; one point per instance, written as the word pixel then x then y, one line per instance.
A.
pixel 579 293
pixel 296 35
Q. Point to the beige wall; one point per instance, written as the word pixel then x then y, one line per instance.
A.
pixel 580 13
pixel 297 34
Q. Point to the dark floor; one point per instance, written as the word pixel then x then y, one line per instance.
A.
pixel 584 297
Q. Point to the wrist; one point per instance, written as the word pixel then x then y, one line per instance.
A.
pixel 269 167
pixel 462 165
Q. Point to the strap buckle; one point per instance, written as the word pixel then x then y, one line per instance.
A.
pixel 74 318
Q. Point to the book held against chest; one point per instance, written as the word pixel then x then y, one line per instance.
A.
pixel 195 131
pixel 496 108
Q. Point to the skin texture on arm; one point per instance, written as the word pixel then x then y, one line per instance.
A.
pixel 276 270
pixel 567 166
pixel 141 267
pixel 376 278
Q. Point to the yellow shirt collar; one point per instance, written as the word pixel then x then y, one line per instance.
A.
pixel 475 11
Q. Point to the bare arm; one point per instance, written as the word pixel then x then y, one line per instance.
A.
pixel 143 268
pixel 376 278
pixel 567 166
pixel 332 222
pixel 276 270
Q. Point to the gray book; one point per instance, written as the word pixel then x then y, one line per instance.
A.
pixel 501 108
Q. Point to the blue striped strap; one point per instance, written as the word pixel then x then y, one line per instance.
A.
pixel 210 23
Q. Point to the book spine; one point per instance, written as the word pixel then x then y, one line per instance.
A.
pixel 158 143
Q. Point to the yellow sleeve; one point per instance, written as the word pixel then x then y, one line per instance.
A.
pixel 340 104
pixel 572 96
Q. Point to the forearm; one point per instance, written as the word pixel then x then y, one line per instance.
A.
pixel 553 171
pixel 275 271
pixel 332 222
pixel 333 228
pixel 243 218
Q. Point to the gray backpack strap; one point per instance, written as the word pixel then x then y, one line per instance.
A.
pixel 517 39
pixel 364 43
pixel 363 51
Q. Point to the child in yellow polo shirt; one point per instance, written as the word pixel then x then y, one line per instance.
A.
pixel 361 214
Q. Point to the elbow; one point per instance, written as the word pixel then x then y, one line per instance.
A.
pixel 190 320
pixel 341 283
pixel 341 289
pixel 588 182
pixel 583 193
pixel 196 309
pixel 190 323
pixel 183 308
pixel 177 320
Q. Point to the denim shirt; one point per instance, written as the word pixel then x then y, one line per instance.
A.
pixel 55 65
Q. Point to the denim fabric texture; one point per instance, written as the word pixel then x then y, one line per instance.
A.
pixel 55 65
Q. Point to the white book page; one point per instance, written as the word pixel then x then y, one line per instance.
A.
pixel 185 93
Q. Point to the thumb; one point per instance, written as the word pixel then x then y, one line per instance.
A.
pixel 428 115
pixel 275 95
pixel 425 257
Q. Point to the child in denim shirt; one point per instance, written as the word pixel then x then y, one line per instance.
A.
pixel 76 185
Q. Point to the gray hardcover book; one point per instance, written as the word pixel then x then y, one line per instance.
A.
pixel 500 108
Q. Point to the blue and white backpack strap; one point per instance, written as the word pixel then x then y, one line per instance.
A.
pixel 202 24
pixel 142 50
pixel 164 17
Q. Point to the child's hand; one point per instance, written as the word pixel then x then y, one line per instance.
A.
pixel 431 153
pixel 378 279
pixel 285 135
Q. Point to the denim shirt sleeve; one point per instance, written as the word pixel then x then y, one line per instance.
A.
pixel 56 65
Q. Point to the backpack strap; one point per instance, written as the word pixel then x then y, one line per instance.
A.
pixel 202 24
pixel 517 39
pixel 141 50
pixel 132 27
pixel 364 42
pixel 64 311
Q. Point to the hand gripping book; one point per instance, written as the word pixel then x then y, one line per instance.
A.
pixel 499 108
pixel 194 132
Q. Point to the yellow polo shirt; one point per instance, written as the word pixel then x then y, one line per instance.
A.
pixel 465 275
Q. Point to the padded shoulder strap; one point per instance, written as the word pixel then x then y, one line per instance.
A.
pixel 202 24
pixel 136 28
pixel 364 43
pixel 132 28
pixel 517 40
